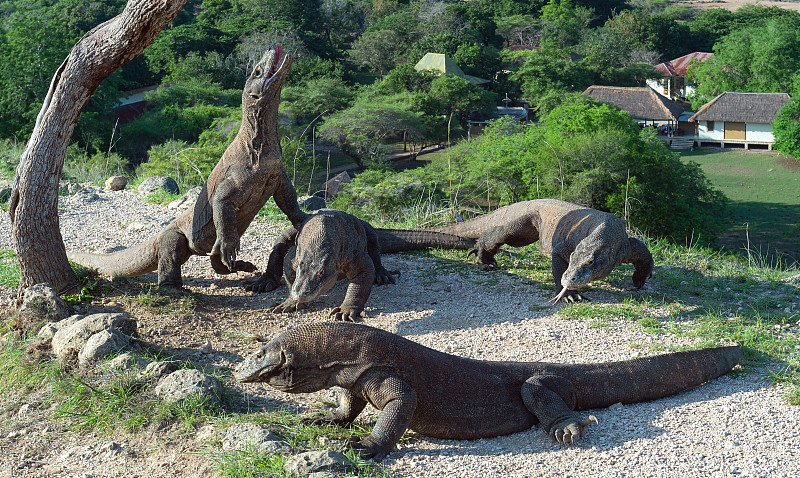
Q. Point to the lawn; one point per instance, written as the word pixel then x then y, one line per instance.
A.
pixel 764 193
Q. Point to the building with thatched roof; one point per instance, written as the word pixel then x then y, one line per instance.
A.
pixel 674 83
pixel 643 104
pixel 743 119
pixel 443 65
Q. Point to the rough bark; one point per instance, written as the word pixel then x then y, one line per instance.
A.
pixel 34 198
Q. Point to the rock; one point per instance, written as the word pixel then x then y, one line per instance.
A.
pixel 311 203
pixel 127 362
pixel 70 188
pixel 69 340
pixel 5 194
pixel 185 383
pixel 40 302
pixel 241 436
pixel 116 183
pixel 187 200
pixel 206 433
pixel 101 344
pixel 309 462
pixel 207 348
pixel 156 183
pixel 49 330
pixel 24 410
pixel 156 370
pixel 150 223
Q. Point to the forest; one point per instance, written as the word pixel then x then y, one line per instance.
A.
pixel 353 88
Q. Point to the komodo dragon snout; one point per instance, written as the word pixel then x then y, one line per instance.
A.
pixel 587 263
pixel 315 274
pixel 267 76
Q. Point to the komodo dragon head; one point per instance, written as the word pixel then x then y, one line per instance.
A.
pixel 307 358
pixel 263 86
pixel 593 258
pixel 315 264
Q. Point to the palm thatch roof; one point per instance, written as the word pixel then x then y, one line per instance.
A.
pixel 742 107
pixel 441 63
pixel 641 103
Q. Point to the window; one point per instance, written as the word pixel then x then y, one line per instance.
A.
pixel 710 126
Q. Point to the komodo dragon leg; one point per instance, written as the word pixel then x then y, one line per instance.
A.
pixel 382 275
pixel 552 400
pixel 173 252
pixel 361 273
pixel 271 278
pixel 350 406
pixel 642 261
pixel 396 400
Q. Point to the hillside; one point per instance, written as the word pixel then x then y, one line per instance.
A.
pixel 695 298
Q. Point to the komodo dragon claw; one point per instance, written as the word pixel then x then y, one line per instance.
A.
pixel 570 431
pixel 570 297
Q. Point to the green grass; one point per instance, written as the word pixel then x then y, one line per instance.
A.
pixel 9 268
pixel 764 193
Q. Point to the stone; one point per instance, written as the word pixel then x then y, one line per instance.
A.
pixel 101 344
pixel 150 223
pixel 49 330
pixel 185 383
pixel 311 203
pixel 157 183
pixel 116 183
pixel 5 194
pixel 241 436
pixel 127 362
pixel 156 370
pixel 69 340
pixel 41 302
pixel 187 200
pixel 309 462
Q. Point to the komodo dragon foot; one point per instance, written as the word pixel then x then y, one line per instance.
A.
pixel 288 305
pixel 346 314
pixel 263 283
pixel 568 296
pixel 384 277
pixel 570 430
pixel 366 448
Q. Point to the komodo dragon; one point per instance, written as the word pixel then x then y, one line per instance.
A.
pixel 584 244
pixel 249 173
pixel 332 245
pixel 456 398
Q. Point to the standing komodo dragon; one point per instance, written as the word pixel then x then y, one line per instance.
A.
pixel 249 173
pixel 332 245
pixel 456 398
pixel 584 244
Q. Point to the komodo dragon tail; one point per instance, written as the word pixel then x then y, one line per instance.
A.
pixel 399 240
pixel 648 378
pixel 133 261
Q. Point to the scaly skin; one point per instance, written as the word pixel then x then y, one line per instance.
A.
pixel 584 244
pixel 450 397
pixel 332 245
pixel 248 174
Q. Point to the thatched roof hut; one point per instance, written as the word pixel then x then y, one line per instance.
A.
pixel 641 103
pixel 742 107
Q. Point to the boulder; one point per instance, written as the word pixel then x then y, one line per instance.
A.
pixel 156 370
pixel 68 341
pixel 127 362
pixel 101 344
pixel 156 183
pixel 40 302
pixel 49 330
pixel 116 183
pixel 185 383
pixel 311 203
pixel 150 223
pixel 5 194
pixel 187 200
pixel 241 436
pixel 309 462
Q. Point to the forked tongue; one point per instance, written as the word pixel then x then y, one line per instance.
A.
pixel 555 299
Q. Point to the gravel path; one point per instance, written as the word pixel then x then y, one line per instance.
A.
pixel 735 426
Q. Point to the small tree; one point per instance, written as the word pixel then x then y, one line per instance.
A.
pixel 34 198
pixel 377 50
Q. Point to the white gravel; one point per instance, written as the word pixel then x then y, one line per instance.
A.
pixel 737 425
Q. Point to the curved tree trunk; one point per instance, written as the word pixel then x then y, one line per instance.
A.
pixel 34 198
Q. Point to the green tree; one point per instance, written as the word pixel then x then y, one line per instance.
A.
pixel 316 97
pixel 540 74
pixel 377 50
pixel 787 125
pixel 755 59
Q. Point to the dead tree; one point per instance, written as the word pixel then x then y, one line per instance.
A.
pixel 34 197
